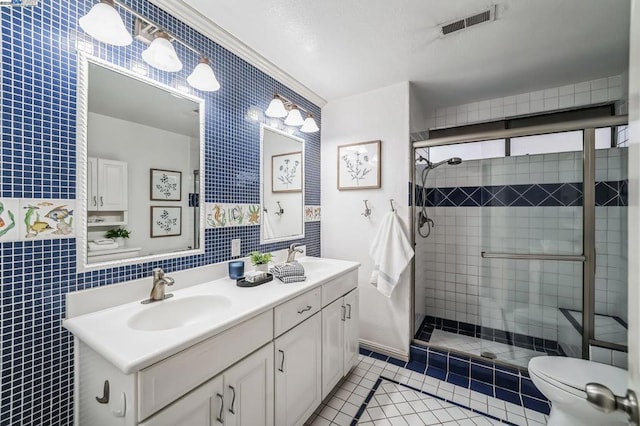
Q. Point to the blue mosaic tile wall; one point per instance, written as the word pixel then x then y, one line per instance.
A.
pixel 38 105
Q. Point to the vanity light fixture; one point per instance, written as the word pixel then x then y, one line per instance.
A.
pixel 309 125
pixel 276 108
pixel 104 23
pixel 203 78
pixel 161 54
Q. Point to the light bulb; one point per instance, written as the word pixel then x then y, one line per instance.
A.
pixel 203 78
pixel 104 23
pixel 309 125
pixel 161 54
pixel 276 108
pixel 294 118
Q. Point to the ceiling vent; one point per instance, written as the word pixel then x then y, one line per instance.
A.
pixel 470 21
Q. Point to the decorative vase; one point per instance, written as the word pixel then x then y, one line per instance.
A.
pixel 121 242
pixel 262 268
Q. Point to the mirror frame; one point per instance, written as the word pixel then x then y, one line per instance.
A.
pixel 262 183
pixel 82 113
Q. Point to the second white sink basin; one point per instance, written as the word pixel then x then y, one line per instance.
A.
pixel 174 313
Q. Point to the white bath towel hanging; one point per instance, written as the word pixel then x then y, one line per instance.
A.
pixel 266 226
pixel 391 252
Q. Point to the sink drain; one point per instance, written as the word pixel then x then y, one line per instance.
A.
pixel 488 355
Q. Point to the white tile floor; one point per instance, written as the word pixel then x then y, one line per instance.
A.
pixel 397 404
pixel 475 346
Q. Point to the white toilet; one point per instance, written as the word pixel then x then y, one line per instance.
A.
pixel 562 380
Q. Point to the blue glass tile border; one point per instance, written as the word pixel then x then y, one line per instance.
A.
pixel 430 323
pixel 382 378
pixel 607 193
pixel 473 374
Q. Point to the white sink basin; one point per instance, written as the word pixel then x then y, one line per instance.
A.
pixel 174 313
pixel 313 265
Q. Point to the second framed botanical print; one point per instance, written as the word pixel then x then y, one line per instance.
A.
pixel 359 165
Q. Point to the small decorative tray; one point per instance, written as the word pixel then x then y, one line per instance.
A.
pixel 244 283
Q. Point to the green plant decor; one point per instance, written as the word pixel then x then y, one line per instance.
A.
pixel 258 258
pixel 118 233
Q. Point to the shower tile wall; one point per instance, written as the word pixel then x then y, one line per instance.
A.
pixel 454 282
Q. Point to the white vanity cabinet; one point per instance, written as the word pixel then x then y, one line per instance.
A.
pixel 241 396
pixel 106 185
pixel 339 339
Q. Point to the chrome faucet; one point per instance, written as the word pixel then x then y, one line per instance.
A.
pixel 291 256
pixel 159 282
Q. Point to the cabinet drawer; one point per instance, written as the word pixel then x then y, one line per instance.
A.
pixel 295 311
pixel 339 287
pixel 166 381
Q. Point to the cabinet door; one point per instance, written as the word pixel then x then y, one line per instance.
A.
pixel 92 184
pixel 351 331
pixel 112 185
pixel 333 318
pixel 298 365
pixel 202 407
pixel 248 387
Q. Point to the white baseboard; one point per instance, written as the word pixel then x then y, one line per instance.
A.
pixel 385 350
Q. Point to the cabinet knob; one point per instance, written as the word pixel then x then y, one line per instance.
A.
pixel 95 201
pixel 300 311
pixel 348 311
pixel 101 201
pixel 281 369
pixel 233 399
pixel 344 313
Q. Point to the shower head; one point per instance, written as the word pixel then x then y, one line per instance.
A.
pixel 454 161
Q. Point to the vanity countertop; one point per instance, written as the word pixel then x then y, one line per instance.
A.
pixel 108 333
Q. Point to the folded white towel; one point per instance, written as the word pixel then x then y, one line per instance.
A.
pixel 93 246
pixel 391 252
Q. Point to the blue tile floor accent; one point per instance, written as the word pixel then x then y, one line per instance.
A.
pixel 378 391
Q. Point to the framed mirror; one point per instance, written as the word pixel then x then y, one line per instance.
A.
pixel 282 185
pixel 140 152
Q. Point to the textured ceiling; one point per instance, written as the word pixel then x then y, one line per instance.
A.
pixel 339 48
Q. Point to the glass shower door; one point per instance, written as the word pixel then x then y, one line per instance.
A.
pixel 530 242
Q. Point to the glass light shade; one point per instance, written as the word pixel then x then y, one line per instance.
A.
pixel 203 78
pixel 276 108
pixel 309 125
pixel 161 54
pixel 103 22
pixel 294 118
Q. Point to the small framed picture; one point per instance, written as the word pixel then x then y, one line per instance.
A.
pixel 286 172
pixel 166 185
pixel 359 165
pixel 166 221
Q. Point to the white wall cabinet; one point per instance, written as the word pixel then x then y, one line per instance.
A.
pixel 298 364
pixel 339 340
pixel 272 369
pixel 106 185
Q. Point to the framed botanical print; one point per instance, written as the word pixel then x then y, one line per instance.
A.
pixel 166 221
pixel 166 185
pixel 359 165
pixel 286 172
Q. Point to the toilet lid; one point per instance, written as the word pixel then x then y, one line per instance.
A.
pixel 576 373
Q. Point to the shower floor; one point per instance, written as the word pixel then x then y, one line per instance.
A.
pixel 475 346
pixel 513 348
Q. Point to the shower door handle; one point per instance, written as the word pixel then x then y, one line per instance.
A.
pixel 534 256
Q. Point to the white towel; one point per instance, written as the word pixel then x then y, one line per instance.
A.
pixel 95 246
pixel 391 252
pixel 266 227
